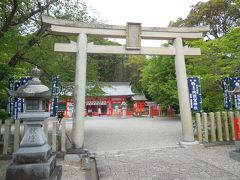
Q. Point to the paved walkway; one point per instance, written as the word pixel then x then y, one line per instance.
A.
pixel 194 163
pixel 147 149
pixel 103 134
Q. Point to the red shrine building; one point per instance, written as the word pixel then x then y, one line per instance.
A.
pixel 110 103
pixel 114 94
pixel 139 105
pixel 142 107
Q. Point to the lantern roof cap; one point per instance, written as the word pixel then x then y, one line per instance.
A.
pixel 34 88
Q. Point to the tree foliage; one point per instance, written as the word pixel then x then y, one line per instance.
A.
pixel 133 66
pixel 22 32
pixel 220 58
pixel 221 15
pixel 159 81
pixel 26 42
pixel 220 55
pixel 109 66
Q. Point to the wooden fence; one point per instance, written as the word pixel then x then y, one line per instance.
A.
pixel 11 134
pixel 213 127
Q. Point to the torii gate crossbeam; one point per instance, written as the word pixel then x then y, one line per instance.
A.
pixel 133 33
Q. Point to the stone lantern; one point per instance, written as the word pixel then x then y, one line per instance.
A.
pixel 124 109
pixel 34 158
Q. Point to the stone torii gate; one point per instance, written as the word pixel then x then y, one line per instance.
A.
pixel 133 33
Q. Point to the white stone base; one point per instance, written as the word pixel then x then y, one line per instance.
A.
pixel 186 143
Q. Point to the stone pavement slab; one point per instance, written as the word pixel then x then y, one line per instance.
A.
pixel 170 163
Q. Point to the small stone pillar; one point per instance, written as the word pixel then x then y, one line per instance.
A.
pixel 205 126
pixel 116 111
pixel 34 159
pixel 124 109
pixel 199 127
pixel 226 128
pixel 219 126
pixel 213 127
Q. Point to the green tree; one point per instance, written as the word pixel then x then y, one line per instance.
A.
pixel 159 81
pixel 220 58
pixel 221 15
pixel 133 66
pixel 25 41
pixel 220 54
pixel 22 31
pixel 109 66
pixel 19 24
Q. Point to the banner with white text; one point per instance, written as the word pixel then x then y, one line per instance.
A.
pixel 195 95
pixel 235 81
pixel 227 97
pixel 54 97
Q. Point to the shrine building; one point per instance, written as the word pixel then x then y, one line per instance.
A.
pixel 114 94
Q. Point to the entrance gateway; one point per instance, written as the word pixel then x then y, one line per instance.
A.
pixel 133 33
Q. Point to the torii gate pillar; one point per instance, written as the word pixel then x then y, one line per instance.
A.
pixel 183 94
pixel 79 92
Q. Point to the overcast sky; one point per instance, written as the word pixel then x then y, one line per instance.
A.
pixel 152 13
pixel 148 12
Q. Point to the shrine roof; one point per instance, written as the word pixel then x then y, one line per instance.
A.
pixel 107 88
pixel 117 89
pixel 139 97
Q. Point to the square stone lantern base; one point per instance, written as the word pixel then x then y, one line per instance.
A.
pixel 33 155
pixel 34 159
pixel 35 171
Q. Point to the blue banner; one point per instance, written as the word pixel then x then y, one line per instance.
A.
pixel 11 86
pixel 24 80
pixel 16 104
pixel 54 97
pixel 227 97
pixel 236 82
pixel 195 95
